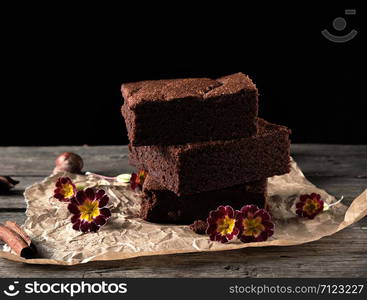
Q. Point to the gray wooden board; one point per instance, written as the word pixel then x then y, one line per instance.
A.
pixel 340 169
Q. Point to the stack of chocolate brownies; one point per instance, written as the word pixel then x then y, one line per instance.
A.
pixel 202 144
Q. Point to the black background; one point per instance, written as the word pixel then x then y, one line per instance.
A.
pixel 62 67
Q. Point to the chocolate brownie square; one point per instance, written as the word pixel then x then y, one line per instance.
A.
pixel 178 111
pixel 204 166
pixel 163 206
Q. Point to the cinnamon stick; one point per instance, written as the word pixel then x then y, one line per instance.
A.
pixel 19 230
pixel 15 227
pixel 15 242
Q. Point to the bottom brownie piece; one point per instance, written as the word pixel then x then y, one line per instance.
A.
pixel 163 206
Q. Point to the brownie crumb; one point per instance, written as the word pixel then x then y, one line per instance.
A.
pixel 199 226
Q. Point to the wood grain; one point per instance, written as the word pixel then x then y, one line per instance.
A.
pixel 340 169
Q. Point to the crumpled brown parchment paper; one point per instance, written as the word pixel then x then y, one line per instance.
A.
pixel 126 235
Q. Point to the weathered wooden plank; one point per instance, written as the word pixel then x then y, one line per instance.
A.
pixel 37 167
pixel 340 255
pixel 18 217
pixel 15 198
pixel 332 266
pixel 329 149
pixel 55 150
pixel 332 160
pixel 39 161
pixel 305 149
pixel 325 160
pixel 349 188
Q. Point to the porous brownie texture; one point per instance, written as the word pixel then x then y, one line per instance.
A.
pixel 198 167
pixel 163 206
pixel 178 111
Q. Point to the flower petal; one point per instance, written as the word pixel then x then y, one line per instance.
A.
pixel 90 193
pixel 105 212
pixel 100 220
pixel 229 211
pixel 65 189
pixel 58 196
pixel 268 224
pixel 84 226
pixel 87 200
pixel 103 202
pixel 133 179
pixel 211 228
pixel 303 197
pixel 247 239
pixel 73 208
pixel 315 196
pixel 215 214
pixel 75 218
pixel 81 197
pixel 74 201
pixel 76 225
pixel 309 205
pixel 222 209
pixel 100 194
pixel 93 227
pixel 223 239
pixel 262 237
pixel 222 224
pixel 249 209
pixel 299 205
pixel 263 214
pixel 255 224
pixel 212 237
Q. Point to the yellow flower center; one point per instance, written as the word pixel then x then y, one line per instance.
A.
pixel 225 225
pixel 67 190
pixel 141 177
pixel 89 210
pixel 253 226
pixel 311 206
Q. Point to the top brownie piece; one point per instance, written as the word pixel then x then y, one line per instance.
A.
pixel 178 111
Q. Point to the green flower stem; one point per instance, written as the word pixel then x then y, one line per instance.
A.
pixel 121 178
pixel 327 206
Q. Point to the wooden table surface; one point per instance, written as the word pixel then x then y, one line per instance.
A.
pixel 340 169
